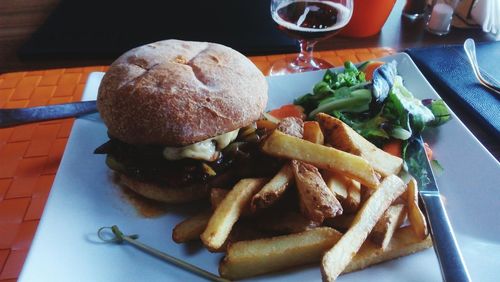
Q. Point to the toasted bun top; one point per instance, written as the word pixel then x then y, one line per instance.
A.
pixel 177 93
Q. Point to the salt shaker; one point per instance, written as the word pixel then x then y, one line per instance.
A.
pixel 439 20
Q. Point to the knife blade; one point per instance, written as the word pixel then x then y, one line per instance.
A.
pixel 450 258
pixel 12 117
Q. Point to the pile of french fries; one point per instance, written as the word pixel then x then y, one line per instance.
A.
pixel 337 200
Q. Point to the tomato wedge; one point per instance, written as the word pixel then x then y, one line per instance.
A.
pixel 393 147
pixel 289 110
pixel 370 68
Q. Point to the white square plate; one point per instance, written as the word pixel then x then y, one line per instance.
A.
pixel 83 199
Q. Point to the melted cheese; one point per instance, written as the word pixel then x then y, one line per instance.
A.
pixel 207 150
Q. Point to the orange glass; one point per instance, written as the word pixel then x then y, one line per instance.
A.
pixel 368 17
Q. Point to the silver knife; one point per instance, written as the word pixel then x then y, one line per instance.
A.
pixel 445 244
pixel 12 117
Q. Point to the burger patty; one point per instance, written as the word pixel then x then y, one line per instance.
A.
pixel 146 163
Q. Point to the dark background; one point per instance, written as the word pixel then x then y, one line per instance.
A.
pixel 106 29
pixel 91 32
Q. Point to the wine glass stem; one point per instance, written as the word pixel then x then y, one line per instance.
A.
pixel 305 57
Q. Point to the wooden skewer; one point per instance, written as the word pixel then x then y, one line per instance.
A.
pixel 131 239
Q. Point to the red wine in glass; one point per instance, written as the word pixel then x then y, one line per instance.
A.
pixel 308 21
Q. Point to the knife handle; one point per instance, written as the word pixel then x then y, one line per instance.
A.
pixel 451 261
pixel 12 117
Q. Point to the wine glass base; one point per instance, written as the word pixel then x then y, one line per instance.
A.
pixel 289 66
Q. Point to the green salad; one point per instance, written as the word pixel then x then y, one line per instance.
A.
pixel 381 109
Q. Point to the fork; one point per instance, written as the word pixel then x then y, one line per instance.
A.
pixel 470 50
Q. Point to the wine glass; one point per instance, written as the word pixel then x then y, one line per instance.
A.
pixel 309 21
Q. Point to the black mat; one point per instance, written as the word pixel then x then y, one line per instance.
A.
pixel 103 29
pixel 449 71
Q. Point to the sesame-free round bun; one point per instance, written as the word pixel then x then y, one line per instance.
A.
pixel 177 93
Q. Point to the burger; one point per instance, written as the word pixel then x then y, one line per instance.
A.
pixel 180 118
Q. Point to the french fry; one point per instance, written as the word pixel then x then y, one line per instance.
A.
pixel 218 194
pixel 348 191
pixel 229 210
pixel 336 184
pixel 250 258
pixel 286 146
pixel 415 215
pixel 191 228
pixel 344 138
pixel 384 229
pixel 317 202
pixel 313 133
pixel 274 189
pixel 353 200
pixel 337 258
pixel 403 242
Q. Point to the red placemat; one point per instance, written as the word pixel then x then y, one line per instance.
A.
pixel 30 154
